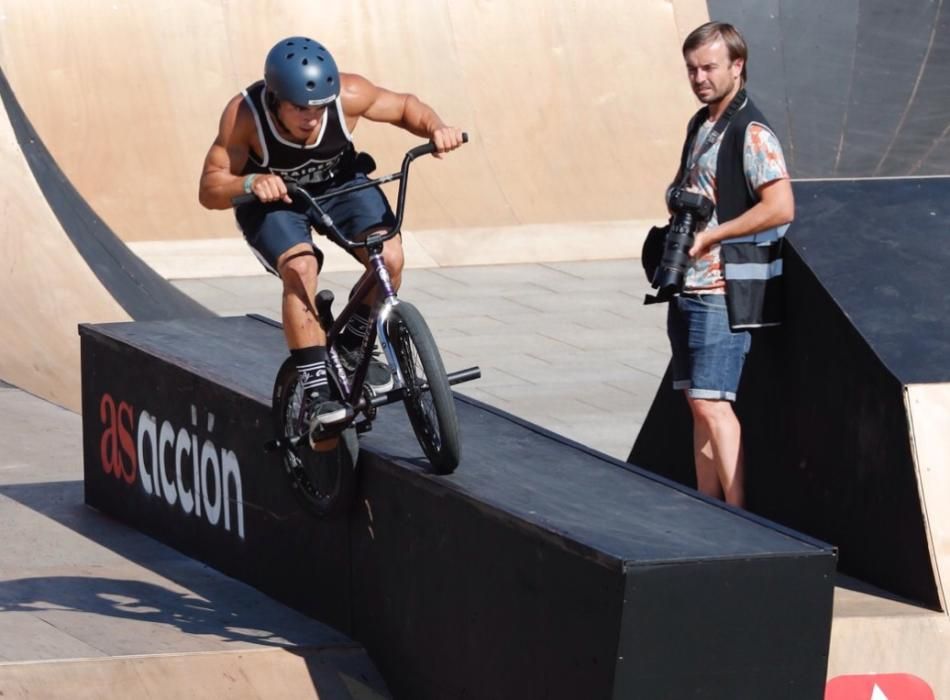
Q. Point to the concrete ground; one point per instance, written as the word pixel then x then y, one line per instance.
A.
pixel 84 598
pixel 568 346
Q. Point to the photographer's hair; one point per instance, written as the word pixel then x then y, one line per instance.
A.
pixel 710 32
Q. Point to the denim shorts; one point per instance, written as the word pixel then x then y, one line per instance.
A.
pixel 707 355
pixel 272 229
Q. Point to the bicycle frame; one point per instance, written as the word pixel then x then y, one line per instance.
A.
pixel 375 277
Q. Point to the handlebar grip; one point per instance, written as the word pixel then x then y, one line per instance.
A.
pixel 427 148
pixel 292 188
pixel 243 199
pixel 423 150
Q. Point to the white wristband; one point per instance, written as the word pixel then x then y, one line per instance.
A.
pixel 248 181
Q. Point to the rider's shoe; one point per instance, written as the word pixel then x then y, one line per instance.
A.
pixel 379 377
pixel 324 413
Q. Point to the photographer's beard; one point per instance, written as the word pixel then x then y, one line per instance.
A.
pixel 717 92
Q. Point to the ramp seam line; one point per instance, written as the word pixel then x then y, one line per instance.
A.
pixel 913 94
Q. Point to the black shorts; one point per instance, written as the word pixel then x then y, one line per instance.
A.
pixel 272 229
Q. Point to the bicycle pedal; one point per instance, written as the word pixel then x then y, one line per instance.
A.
pixel 363 427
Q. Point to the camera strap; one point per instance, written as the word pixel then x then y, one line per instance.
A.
pixel 714 134
pixel 692 161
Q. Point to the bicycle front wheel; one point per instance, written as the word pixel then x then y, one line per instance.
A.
pixel 427 396
pixel 323 481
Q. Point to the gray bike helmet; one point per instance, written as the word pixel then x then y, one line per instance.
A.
pixel 302 71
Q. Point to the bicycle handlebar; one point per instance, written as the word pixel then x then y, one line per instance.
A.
pixel 293 189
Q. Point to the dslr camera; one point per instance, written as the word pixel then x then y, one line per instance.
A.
pixel 690 210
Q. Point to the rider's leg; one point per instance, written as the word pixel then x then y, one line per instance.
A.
pixel 280 236
pixel 297 268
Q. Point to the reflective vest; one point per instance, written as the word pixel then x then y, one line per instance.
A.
pixel 752 265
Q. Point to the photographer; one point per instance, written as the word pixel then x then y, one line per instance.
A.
pixel 731 203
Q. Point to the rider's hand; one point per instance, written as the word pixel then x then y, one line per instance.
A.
pixel 446 138
pixel 270 188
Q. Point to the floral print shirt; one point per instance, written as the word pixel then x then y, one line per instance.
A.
pixel 763 163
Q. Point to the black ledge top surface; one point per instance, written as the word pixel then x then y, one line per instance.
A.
pixel 510 468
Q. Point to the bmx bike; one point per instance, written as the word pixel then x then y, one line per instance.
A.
pixel 322 463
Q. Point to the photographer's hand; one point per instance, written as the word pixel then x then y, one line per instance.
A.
pixel 775 208
pixel 701 244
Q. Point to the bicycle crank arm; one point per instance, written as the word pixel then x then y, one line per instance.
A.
pixel 282 443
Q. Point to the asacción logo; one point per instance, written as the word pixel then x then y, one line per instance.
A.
pixel 189 471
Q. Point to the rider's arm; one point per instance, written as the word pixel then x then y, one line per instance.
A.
pixel 221 180
pixel 363 99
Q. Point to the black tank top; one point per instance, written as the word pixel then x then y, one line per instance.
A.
pixel 316 164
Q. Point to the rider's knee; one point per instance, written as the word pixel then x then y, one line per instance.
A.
pixel 394 260
pixel 299 271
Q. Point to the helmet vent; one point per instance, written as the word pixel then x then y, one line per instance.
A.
pixel 311 85
pixel 305 62
pixel 289 56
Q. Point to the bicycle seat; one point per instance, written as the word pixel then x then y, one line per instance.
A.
pixel 364 163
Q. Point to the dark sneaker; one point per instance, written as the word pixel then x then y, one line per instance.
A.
pixel 324 413
pixel 379 377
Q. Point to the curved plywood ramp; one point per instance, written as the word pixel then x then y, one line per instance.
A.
pixel 928 411
pixel 568 120
pixel 46 286
pixel 63 266
pixel 578 119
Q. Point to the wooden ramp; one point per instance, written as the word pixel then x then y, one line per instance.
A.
pixel 46 286
pixel 63 266
pixel 570 111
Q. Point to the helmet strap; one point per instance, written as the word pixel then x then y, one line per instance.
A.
pixel 271 102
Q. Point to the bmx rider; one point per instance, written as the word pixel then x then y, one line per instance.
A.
pixel 296 125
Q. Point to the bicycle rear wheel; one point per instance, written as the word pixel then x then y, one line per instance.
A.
pixel 324 481
pixel 427 396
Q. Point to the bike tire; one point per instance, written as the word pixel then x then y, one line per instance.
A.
pixel 323 482
pixel 427 396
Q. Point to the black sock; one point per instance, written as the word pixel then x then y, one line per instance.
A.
pixel 312 369
pixel 356 328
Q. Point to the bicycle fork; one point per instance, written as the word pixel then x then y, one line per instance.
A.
pixel 383 310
